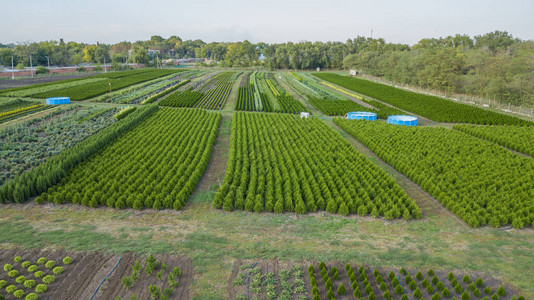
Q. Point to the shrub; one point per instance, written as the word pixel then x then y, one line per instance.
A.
pixel 391 275
pixel 41 288
pixel 32 269
pixel 383 287
pixel 58 270
pixel 446 293
pixel 67 260
pixel 466 279
pixel 412 285
pixel 13 273
pixel 20 279
pixel 3 283
pixel 451 276
pixel 436 296
pixel 458 288
pixel 38 274
pixel 431 272
pixel 154 290
pixel 341 289
pixel 501 291
pixel 408 279
pixel 487 290
pixel 29 284
pixel 417 294
pixel 398 290
pixel 8 267
pixel 357 293
pixel 127 282
pixel 31 296
pixel 176 272
pixel 387 295
pixel 429 289
pixel 435 280
pixel 48 279
pixel 440 286
pixel 50 264
pixel 403 272
pixel 41 260
pixel 425 283
pixel 479 282
pixel 25 264
pixel 18 294
pixel 371 296
pixel 419 275
pixel 11 289
pixel 17 259
pixel 465 295
pixel 494 297
pixel 477 293
pixel 404 297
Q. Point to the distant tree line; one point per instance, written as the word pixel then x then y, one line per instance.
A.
pixel 494 65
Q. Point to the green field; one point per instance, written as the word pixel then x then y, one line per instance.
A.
pixel 222 171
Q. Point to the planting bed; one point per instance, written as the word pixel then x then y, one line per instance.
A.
pixel 272 279
pixel 80 279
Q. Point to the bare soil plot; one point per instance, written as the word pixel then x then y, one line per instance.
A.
pixel 81 279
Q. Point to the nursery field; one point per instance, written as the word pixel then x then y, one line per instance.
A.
pixel 269 170
pixel 431 107
pixel 272 279
pixel 207 184
pixel 211 93
pixel 477 180
pixel 89 87
pixel 15 108
pixel 30 143
pixel 249 97
pixel 64 274
pixel 517 138
pixel 155 165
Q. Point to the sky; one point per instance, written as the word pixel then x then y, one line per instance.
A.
pixel 272 21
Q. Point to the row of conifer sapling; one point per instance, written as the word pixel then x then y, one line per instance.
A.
pixel 409 289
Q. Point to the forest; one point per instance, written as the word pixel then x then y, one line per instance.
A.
pixel 495 65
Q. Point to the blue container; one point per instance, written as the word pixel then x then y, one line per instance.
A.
pixel 57 100
pixel 361 115
pixel 402 120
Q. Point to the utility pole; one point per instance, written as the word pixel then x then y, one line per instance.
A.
pixel 12 69
pixel 371 33
pixel 48 58
pixel 31 65
pixel 105 71
pixel 110 95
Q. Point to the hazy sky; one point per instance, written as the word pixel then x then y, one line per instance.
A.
pixel 271 21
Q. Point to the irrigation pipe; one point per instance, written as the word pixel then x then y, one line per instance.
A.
pixel 105 278
pixel 248 277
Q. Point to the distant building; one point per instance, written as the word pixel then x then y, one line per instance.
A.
pixel 353 72
pixel 152 52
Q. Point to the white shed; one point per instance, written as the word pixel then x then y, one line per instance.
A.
pixel 304 114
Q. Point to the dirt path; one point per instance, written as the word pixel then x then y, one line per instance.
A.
pixel 428 205
pixel 229 105
pixel 214 174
